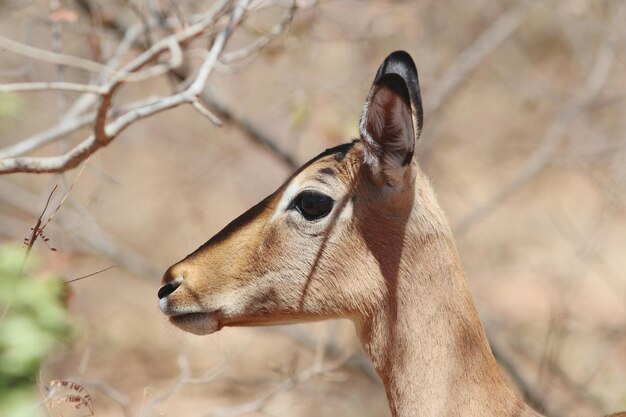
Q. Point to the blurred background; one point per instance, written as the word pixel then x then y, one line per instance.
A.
pixel 524 141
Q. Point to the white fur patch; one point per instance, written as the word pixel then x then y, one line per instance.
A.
pixel 290 192
pixel 169 310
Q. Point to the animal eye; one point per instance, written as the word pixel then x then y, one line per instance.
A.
pixel 313 205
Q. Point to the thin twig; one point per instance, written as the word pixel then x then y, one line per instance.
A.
pixel 178 13
pixel 68 125
pixel 90 238
pixel 147 32
pixel 553 137
pixel 253 132
pixel 467 61
pixel 67 193
pixel 219 108
pixel 206 113
pixel 532 395
pixel 116 396
pixel 73 119
pixel 183 377
pixel 52 57
pixel 358 361
pixel 35 232
pixel 259 404
pixel 104 133
pixel 258 44
pixel 51 86
pixel 89 275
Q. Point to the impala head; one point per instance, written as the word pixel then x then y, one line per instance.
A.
pixel 328 242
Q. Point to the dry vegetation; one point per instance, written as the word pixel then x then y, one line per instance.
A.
pixel 525 141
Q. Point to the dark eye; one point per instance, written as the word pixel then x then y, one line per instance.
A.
pixel 313 205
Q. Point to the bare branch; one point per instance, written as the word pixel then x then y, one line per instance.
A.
pixel 358 361
pixel 36 232
pixel 104 133
pixel 468 60
pixel 122 400
pixel 259 404
pixel 183 378
pixel 41 139
pixel 259 43
pixel 85 64
pixel 553 137
pixel 80 225
pixel 68 125
pixel 52 57
pixel 51 86
pixel 206 112
pixel 147 32
pixel 218 107
pixel 89 275
pixel 254 133
pixel 534 397
pixel 178 13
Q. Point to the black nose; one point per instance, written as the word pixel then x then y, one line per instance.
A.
pixel 168 288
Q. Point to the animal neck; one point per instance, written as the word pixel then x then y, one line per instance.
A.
pixel 426 340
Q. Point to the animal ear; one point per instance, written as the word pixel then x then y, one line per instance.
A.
pixel 391 120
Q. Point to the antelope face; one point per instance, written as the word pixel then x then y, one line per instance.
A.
pixel 319 247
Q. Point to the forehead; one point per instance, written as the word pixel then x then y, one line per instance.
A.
pixel 333 165
pixel 329 170
pixel 339 164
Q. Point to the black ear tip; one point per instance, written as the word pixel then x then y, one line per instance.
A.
pixel 399 62
pixel 401 57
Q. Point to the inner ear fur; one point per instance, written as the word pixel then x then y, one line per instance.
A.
pixel 391 119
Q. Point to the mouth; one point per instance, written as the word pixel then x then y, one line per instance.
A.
pixel 198 323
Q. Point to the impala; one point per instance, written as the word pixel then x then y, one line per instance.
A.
pixel 357 233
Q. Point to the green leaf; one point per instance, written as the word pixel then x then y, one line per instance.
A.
pixel 33 322
pixel 10 105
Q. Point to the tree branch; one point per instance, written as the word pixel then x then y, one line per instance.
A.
pixel 553 137
pixel 104 133
pixel 219 108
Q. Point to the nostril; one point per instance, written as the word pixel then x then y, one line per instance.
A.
pixel 168 288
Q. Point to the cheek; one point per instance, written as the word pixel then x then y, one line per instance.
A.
pixel 285 246
pixel 246 299
pixel 293 264
pixel 352 274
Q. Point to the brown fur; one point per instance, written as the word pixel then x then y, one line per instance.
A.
pixel 406 294
pixel 384 258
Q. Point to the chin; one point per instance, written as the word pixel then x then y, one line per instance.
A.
pixel 197 323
